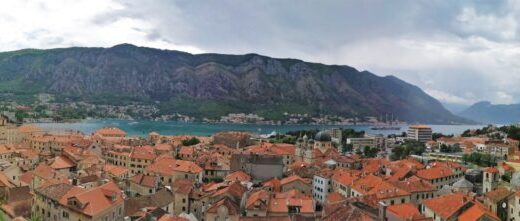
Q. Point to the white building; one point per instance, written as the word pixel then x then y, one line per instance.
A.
pixel 421 133
pixel 321 185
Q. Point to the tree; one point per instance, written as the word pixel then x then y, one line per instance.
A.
pixel 20 115
pixel 370 151
pixel 191 141
pixel 347 148
pixel 35 217
pixel 359 152
pixel 409 147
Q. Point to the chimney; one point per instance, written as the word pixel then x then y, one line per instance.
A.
pixel 382 210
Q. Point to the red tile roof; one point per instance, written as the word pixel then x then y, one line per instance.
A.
pixel 115 170
pixel 434 173
pixel 238 176
pixel 167 166
pixel 445 206
pixel 498 194
pixel 490 170
pixel 143 180
pixel 405 211
pixel 62 162
pixel 365 184
pixel 476 213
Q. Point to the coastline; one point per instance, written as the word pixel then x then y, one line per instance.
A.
pixel 143 127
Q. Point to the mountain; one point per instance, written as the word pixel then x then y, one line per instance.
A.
pixel 211 85
pixel 485 112
pixel 455 108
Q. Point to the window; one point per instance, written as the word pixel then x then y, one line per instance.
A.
pixel 65 214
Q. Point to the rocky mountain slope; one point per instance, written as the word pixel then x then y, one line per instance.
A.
pixel 485 112
pixel 214 84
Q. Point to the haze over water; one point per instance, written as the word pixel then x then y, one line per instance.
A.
pixel 142 128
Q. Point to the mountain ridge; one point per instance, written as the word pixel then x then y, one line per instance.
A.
pixel 200 84
pixel 486 112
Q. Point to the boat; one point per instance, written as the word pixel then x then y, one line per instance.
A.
pixel 386 125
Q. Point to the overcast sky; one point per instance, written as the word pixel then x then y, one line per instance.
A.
pixel 459 52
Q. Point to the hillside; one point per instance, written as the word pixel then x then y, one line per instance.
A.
pixel 485 112
pixel 211 85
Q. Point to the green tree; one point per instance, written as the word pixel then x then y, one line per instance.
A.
pixel 191 141
pixel 20 115
pixel 347 148
pixel 35 217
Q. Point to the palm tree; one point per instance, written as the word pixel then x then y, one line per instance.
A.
pixel 35 217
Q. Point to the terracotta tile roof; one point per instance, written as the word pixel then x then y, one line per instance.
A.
pixel 5 149
pixel 115 170
pixel 143 153
pixel 490 170
pixel 280 202
pixel 213 161
pixel 28 128
pixel 169 217
pixel 405 211
pixel 26 177
pixel 4 181
pixel 159 199
pixel 167 166
pixel 434 173
pixel 477 212
pixel 346 177
pixel 163 147
pixel 258 200
pixel 212 187
pixel 385 190
pixel 498 194
pixel 272 149
pixel 57 191
pixel 274 184
pixel 298 164
pixel 335 197
pixel 346 211
pixel 238 176
pixel 187 150
pixel 143 180
pixel 110 131
pixel 235 190
pixel 98 199
pixel 62 162
pixel 44 171
pixel 265 218
pixel 410 163
pixel 373 165
pixel 365 184
pixel 293 178
pixel 506 167
pixel 445 206
pixel 400 173
pixel 414 185
pixel 232 207
pixel 182 186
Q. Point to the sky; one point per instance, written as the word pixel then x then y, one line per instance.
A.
pixel 459 52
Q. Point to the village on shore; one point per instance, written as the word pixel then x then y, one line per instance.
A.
pixel 237 176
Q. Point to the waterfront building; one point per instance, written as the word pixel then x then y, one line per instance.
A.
pixel 421 133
